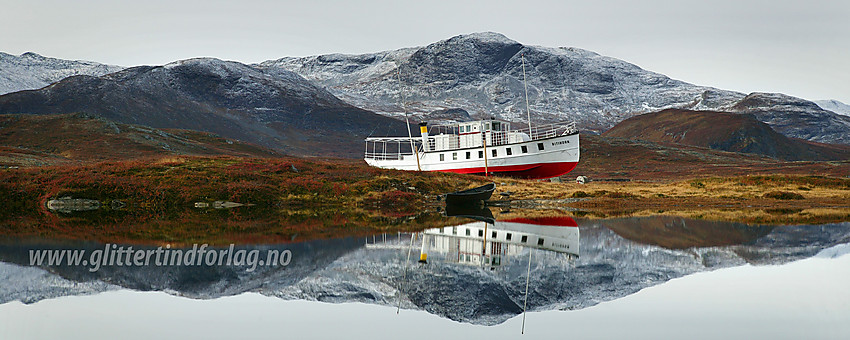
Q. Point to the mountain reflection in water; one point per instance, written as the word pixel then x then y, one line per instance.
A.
pixel 478 277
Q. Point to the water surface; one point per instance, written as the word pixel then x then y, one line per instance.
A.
pixel 636 277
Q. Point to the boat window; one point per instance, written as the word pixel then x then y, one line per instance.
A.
pixel 480 154
pixel 496 126
pixel 540 242
pixel 442 157
pixel 481 233
pixel 454 230
pixel 494 153
pixel 467 232
pixel 524 238
pixel 468 155
pixel 508 151
pixel 487 126
pixel 494 234
pixel 454 156
pixel 540 146
pixel 524 149
pixel 508 236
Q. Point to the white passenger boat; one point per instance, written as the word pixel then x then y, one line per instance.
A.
pixel 481 147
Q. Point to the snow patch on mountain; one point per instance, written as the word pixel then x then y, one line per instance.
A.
pixel 31 71
pixel 834 106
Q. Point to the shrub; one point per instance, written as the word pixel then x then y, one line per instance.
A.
pixel 697 184
pixel 580 194
pixel 784 195
pixel 618 194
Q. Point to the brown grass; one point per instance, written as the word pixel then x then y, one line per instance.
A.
pixel 752 199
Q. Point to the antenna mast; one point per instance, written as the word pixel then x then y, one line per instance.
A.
pixel 525 83
pixel 407 120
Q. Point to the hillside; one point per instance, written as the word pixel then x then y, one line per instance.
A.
pixel 723 131
pixel 482 73
pixel 275 109
pixel 28 140
pixel 605 157
pixel 31 71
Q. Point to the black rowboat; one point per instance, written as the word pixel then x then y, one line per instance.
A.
pixel 471 196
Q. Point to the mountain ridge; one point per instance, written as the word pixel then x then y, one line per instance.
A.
pixel 564 83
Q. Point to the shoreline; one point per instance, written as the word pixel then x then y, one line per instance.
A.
pixel 289 199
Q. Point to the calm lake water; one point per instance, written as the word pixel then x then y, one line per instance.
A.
pixel 656 277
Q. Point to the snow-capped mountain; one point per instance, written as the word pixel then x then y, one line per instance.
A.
pixel 31 71
pixel 274 108
pixel 834 106
pixel 482 75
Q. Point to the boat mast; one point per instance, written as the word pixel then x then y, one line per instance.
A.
pixel 527 278
pixel 404 278
pixel 407 120
pixel 525 83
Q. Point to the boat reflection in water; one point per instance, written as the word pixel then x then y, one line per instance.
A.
pixel 495 245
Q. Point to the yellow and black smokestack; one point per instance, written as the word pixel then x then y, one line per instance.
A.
pixel 423 254
pixel 423 130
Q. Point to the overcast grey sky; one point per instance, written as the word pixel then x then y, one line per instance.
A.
pixel 800 48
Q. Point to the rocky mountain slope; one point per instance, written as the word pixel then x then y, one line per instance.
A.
pixel 274 108
pixel 723 131
pixel 33 140
pixel 31 71
pixel 482 74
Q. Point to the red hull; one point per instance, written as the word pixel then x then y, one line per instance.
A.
pixel 560 221
pixel 528 171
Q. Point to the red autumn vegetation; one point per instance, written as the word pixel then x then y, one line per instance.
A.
pixel 287 198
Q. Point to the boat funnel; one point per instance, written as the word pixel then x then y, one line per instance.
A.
pixel 423 130
pixel 423 254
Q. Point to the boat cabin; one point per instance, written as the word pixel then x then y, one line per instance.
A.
pixel 469 135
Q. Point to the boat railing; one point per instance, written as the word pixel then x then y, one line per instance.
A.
pixel 544 131
pixel 390 148
pixel 396 148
